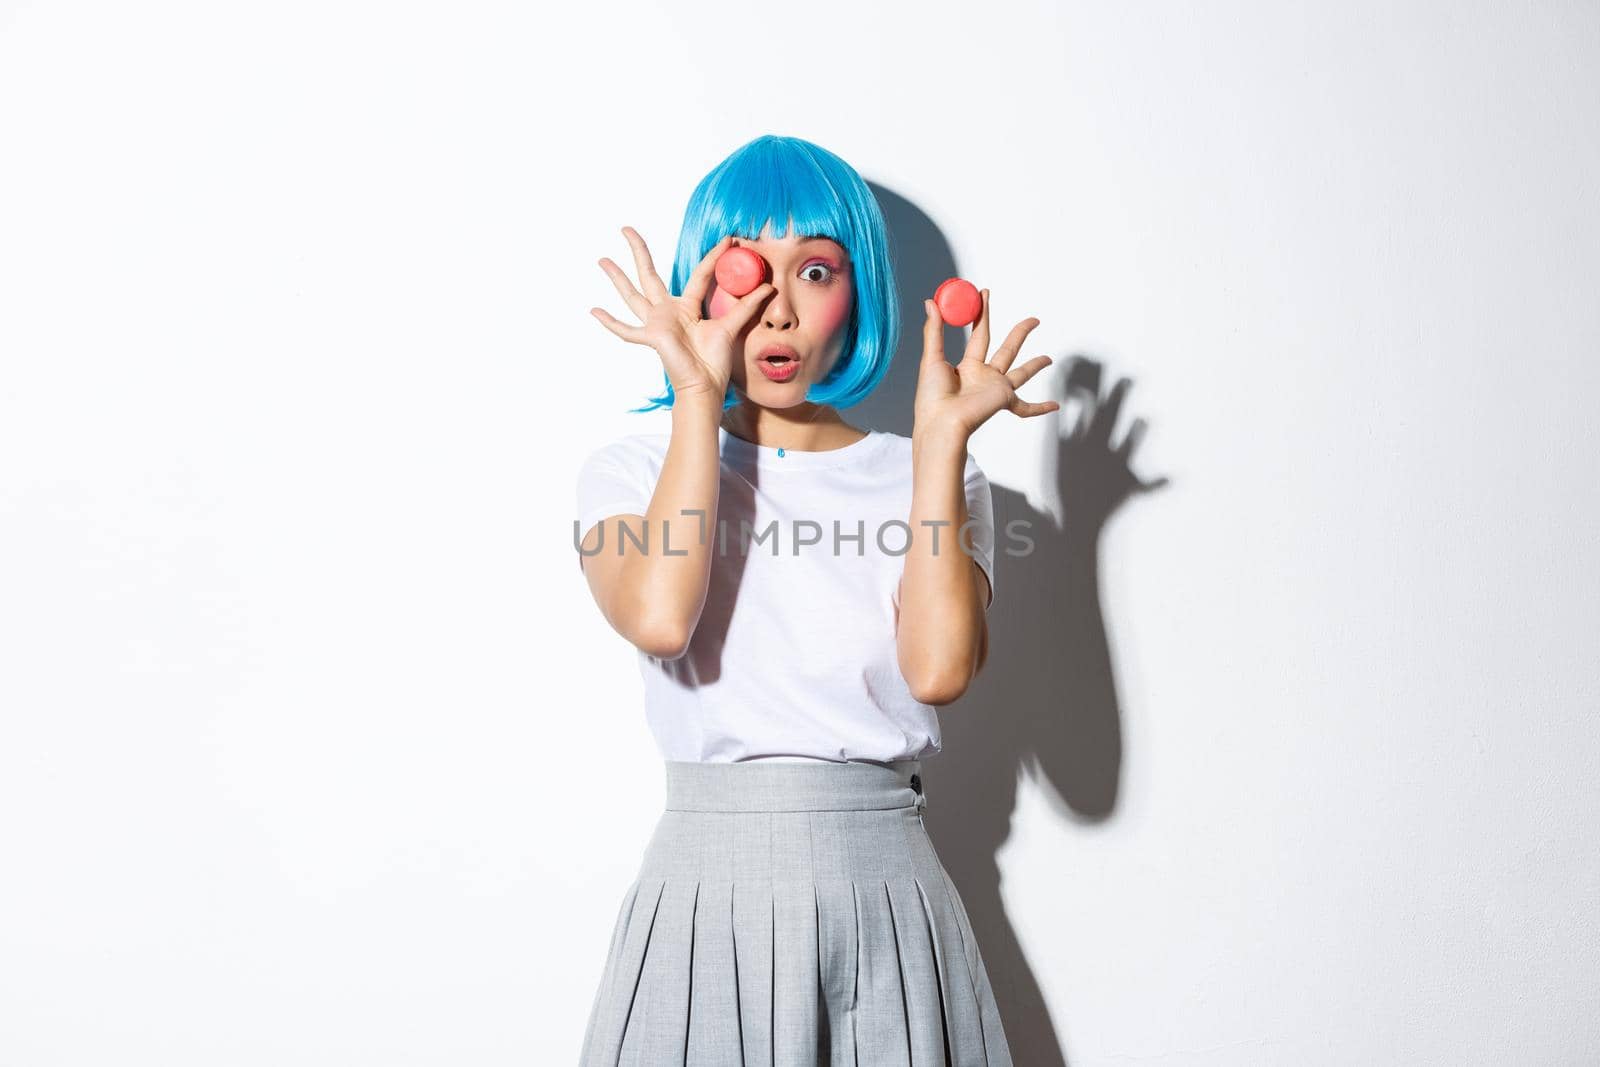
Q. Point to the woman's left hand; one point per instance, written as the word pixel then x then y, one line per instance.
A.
pixel 959 398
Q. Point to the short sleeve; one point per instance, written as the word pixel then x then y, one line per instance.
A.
pixel 980 513
pixel 610 482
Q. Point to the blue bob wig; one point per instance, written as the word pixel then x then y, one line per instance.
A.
pixel 796 185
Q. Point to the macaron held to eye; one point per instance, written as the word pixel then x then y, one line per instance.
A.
pixel 739 270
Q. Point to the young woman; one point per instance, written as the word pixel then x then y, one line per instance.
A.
pixel 803 595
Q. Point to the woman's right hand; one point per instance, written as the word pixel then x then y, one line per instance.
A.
pixel 697 352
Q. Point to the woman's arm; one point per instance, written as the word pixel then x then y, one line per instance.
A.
pixel 653 595
pixel 942 633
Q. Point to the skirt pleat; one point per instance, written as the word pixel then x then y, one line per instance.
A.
pixel 752 932
pixel 661 1008
pixel 793 915
pixel 919 976
pixel 881 1020
pixel 794 978
pixel 838 948
pixel 715 1038
pixel 995 1047
pixel 605 997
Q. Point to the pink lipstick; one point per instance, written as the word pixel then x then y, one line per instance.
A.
pixel 779 363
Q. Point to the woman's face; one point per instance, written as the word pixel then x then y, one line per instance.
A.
pixel 808 314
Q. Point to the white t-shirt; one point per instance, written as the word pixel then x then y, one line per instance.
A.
pixel 794 655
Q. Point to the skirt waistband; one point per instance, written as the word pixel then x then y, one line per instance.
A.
pixel 782 786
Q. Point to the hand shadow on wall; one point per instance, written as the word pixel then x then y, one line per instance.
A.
pixel 1045 702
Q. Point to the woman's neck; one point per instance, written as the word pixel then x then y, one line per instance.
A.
pixel 806 427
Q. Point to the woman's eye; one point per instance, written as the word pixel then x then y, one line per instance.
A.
pixel 827 276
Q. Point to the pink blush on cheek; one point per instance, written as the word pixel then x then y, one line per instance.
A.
pixel 721 303
pixel 834 311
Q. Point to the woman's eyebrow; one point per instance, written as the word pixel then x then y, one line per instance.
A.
pixel 804 240
pixel 822 237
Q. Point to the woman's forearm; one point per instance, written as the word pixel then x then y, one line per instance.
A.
pixel 663 585
pixel 941 622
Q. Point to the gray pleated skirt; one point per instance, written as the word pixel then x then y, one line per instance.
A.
pixel 793 915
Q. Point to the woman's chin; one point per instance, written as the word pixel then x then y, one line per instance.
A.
pixel 770 394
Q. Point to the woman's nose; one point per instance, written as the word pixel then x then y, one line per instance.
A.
pixel 779 313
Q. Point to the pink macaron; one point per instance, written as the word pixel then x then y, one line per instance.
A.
pixel 958 301
pixel 740 270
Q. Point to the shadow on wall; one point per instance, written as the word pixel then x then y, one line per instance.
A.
pixel 1046 700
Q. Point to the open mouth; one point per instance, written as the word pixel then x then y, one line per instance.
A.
pixel 779 363
pixel 776 353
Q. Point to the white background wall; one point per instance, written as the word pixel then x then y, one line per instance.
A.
pixel 314 750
